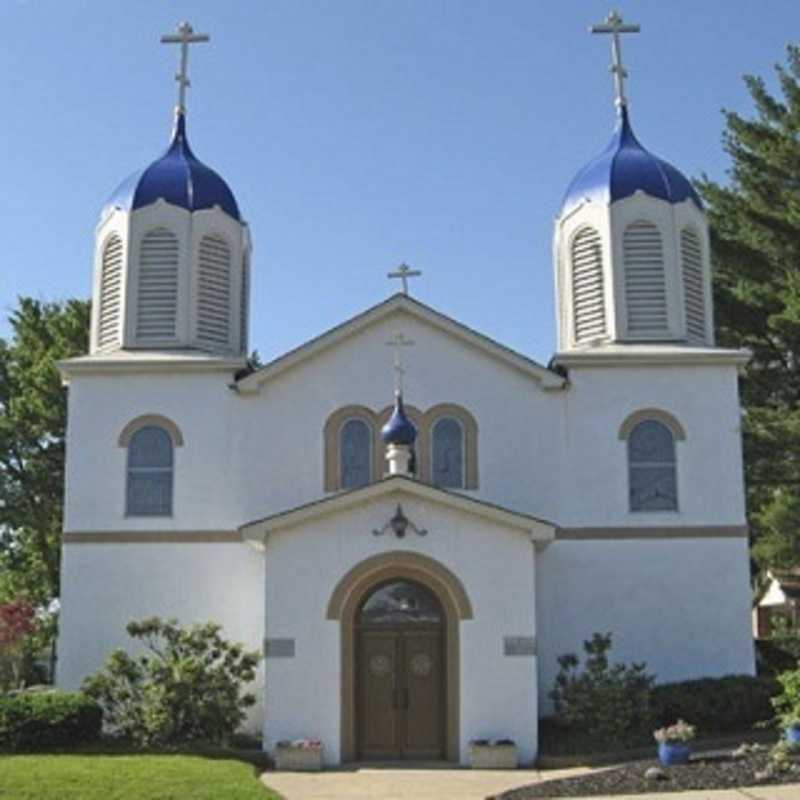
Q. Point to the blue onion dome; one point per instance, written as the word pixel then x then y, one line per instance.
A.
pixel 399 429
pixel 624 168
pixel 179 178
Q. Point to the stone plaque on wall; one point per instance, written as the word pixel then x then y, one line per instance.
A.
pixel 278 648
pixel 519 646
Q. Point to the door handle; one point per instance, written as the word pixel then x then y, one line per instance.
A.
pixel 405 699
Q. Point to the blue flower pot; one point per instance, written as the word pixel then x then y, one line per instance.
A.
pixel 670 753
pixel 793 734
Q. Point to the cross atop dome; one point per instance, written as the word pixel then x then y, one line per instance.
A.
pixel 615 26
pixel 184 37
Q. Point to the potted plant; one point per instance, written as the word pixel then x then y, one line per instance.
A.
pixel 673 743
pixel 299 755
pixel 493 754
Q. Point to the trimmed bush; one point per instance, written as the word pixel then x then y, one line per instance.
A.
pixel 715 705
pixel 41 720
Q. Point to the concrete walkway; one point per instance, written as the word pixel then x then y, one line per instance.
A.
pixel 370 783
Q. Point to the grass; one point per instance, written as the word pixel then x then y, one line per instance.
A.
pixel 111 776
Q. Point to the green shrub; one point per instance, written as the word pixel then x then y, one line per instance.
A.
pixel 787 703
pixel 186 689
pixel 40 720
pixel 715 705
pixel 605 702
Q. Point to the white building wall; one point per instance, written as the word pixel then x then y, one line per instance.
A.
pixel 594 474
pixel 680 605
pixel 105 586
pixel 496 567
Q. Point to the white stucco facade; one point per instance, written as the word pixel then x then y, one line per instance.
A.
pixel 672 586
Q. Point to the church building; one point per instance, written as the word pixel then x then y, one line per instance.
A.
pixel 411 552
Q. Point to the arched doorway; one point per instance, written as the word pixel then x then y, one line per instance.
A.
pixel 344 604
pixel 400 673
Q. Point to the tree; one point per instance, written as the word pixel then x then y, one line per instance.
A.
pixel 17 625
pixel 32 427
pixel 185 688
pixel 755 231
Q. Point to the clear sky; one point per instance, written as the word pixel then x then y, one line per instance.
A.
pixel 357 134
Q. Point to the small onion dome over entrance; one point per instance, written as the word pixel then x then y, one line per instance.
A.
pixel 179 178
pixel 399 430
pixel 624 168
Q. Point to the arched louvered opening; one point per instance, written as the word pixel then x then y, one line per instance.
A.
pixel 355 453
pixel 645 288
pixel 447 456
pixel 157 306
pixel 214 292
pixel 244 305
pixel 110 307
pixel 588 299
pixel 693 291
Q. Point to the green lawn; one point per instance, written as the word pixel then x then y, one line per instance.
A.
pixel 128 777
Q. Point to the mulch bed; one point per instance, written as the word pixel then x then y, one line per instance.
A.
pixel 717 772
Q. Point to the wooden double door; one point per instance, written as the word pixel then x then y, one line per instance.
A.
pixel 400 692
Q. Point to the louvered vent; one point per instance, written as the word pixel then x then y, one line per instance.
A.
pixel 645 291
pixel 214 291
pixel 110 295
pixel 244 305
pixel 587 286
pixel 693 295
pixel 157 309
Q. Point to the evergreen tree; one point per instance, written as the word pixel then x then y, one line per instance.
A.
pixel 32 426
pixel 755 231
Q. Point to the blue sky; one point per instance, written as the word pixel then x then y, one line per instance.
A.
pixel 357 134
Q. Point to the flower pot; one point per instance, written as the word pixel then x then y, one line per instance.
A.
pixel 298 759
pixel 792 734
pixel 670 753
pixel 493 756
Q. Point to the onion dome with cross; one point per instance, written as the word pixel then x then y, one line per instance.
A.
pixel 631 244
pixel 172 253
pixel 399 429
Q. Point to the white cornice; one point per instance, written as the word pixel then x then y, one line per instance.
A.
pixel 540 531
pixel 137 361
pixel 404 304
pixel 652 355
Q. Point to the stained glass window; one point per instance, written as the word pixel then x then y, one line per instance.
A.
pixel 150 466
pixel 448 454
pixel 652 468
pixel 401 602
pixel 355 453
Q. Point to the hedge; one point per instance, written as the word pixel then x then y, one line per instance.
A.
pixel 733 704
pixel 41 720
pixel 715 705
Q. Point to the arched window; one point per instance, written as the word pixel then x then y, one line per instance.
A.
pixel 157 295
pixel 355 454
pixel 214 291
pixel 447 458
pixel 150 472
pixel 588 299
pixel 652 478
pixel 645 287
pixel 108 320
pixel 400 602
pixel 693 285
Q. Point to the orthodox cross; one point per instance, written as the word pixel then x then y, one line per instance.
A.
pixel 184 37
pixel 399 342
pixel 615 26
pixel 404 272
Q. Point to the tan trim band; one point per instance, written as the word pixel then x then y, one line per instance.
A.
pixel 657 414
pixel 155 537
pixel 687 532
pixel 156 420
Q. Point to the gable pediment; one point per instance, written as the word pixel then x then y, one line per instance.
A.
pixel 401 304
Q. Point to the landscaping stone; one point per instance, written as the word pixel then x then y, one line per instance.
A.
pixel 655 774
